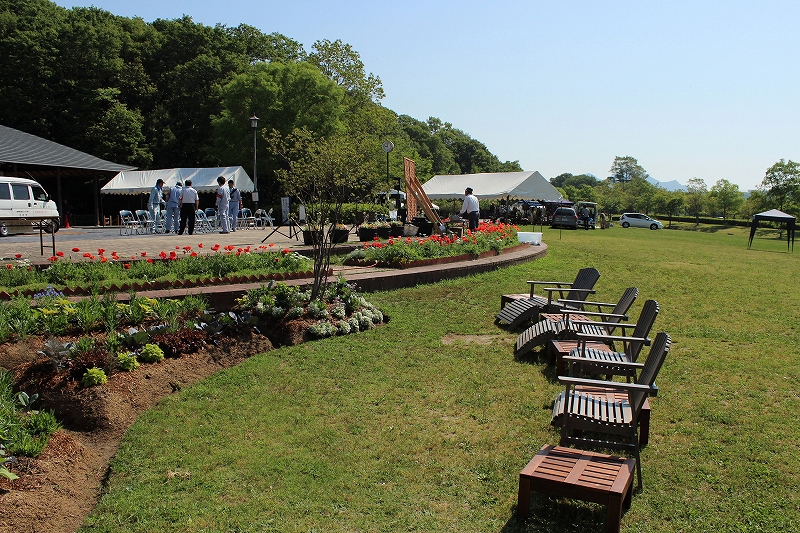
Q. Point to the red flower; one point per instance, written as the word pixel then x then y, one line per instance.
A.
pixel 271 244
pixel 103 259
pixel 127 266
pixel 17 255
pixel 173 255
pixel 9 266
pixel 100 251
pixel 187 248
pixel 286 251
pixel 215 247
pixel 200 245
pixel 60 254
pixel 76 249
pixel 52 258
pixel 87 254
pixel 162 254
pixel 150 261
pixel 144 254
pixel 177 247
pixel 193 254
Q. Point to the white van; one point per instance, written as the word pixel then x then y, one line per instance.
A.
pixel 24 205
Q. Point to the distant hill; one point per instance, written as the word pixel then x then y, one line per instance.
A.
pixel 668 185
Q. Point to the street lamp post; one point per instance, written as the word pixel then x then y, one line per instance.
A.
pixel 254 125
pixel 388 146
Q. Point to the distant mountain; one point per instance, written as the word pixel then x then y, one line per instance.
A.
pixel 668 185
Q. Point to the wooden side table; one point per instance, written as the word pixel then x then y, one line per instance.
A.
pixel 588 476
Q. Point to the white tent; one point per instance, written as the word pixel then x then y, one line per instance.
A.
pixel 492 186
pixel 203 179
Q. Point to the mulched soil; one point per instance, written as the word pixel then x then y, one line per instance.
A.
pixel 56 491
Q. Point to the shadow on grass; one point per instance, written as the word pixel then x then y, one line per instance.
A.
pixel 558 515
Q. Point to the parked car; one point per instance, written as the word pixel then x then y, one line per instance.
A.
pixel 639 220
pixel 566 217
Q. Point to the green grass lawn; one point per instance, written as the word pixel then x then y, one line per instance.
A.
pixel 412 427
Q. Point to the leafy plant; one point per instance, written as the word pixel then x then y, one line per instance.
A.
pixel 25 400
pixel 151 353
pixel 127 362
pixel 93 377
pixel 56 352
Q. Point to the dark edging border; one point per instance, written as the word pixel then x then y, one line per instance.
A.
pixel 224 296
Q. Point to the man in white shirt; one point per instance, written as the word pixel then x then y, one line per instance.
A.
pixel 471 209
pixel 190 201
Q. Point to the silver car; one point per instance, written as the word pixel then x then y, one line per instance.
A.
pixel 639 220
pixel 565 217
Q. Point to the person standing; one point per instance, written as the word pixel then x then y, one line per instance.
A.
pixel 190 202
pixel 173 209
pixel 585 216
pixel 154 204
pixel 223 202
pixel 234 206
pixel 471 209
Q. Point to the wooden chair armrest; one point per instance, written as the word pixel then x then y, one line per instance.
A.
pixel 623 364
pixel 590 313
pixel 534 283
pixel 621 338
pixel 584 302
pixel 569 380
pixel 587 291
pixel 595 323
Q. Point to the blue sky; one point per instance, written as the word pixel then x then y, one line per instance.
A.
pixel 690 88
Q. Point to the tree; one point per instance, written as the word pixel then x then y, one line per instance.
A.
pixel 285 97
pixel 669 202
pixel 343 65
pixel 726 196
pixel 695 195
pixel 782 183
pixel 624 169
pixel 323 174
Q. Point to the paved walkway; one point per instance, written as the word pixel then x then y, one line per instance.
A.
pixel 89 239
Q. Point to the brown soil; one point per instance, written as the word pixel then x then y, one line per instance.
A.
pixel 56 491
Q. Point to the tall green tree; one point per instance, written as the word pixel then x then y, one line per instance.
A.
pixel 669 202
pixel 627 168
pixel 726 197
pixel 285 97
pixel 696 192
pixel 341 63
pixel 782 183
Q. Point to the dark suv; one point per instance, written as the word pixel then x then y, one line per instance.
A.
pixel 565 217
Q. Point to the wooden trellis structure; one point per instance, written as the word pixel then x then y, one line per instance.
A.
pixel 415 196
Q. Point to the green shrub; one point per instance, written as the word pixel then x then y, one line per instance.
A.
pixel 127 362
pixel 94 376
pixel 151 353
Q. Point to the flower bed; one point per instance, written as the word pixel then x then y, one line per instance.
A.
pixel 404 252
pixel 182 267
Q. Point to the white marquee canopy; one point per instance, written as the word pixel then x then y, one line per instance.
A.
pixel 203 179
pixel 492 186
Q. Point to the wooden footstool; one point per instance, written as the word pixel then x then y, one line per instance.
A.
pixel 588 476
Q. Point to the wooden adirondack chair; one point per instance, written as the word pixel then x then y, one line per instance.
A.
pixel 578 411
pixel 569 321
pixel 522 310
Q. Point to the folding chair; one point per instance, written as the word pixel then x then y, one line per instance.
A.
pixel 128 223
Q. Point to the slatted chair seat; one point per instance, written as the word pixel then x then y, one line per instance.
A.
pixel 612 421
pixel 612 362
pixel 567 322
pixel 521 311
pixel 129 224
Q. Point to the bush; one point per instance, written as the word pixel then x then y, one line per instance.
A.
pixel 151 353
pixel 94 376
pixel 127 362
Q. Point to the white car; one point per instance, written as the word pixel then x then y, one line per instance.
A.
pixel 639 220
